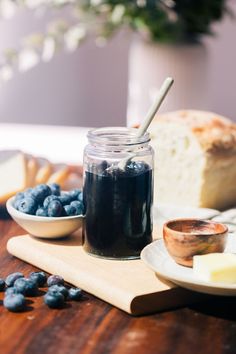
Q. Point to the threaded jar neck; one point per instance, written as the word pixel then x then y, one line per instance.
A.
pixel 117 137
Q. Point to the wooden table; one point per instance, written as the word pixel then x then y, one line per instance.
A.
pixel 93 326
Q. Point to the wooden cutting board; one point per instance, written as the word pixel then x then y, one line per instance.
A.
pixel 128 285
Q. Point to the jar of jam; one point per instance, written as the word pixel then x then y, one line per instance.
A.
pixel 118 193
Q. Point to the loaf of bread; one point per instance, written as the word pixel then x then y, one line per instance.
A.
pixel 195 159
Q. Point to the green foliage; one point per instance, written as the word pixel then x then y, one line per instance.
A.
pixel 164 20
pixel 167 21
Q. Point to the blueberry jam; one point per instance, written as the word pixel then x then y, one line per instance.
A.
pixel 118 205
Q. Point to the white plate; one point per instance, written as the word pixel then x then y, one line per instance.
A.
pixel 156 257
pixel 163 212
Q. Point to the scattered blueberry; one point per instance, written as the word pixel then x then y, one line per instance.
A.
pixel 2 284
pixel 55 188
pixel 78 205
pixel 55 208
pixel 11 278
pixel 70 210
pixel 26 286
pixel 59 288
pixel 41 212
pixel 40 192
pixel 54 299
pixel 55 280
pixel 75 294
pixel 27 205
pixel 14 302
pixel 18 287
pixel 39 277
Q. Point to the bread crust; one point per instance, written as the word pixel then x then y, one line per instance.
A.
pixel 216 134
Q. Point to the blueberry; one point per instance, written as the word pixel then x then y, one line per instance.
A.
pixel 41 212
pixel 54 299
pixel 27 205
pixel 2 284
pixel 100 168
pixel 65 199
pixel 78 205
pixel 10 291
pixel 14 302
pixel 55 188
pixel 16 203
pixel 17 199
pixel 39 277
pixel 19 195
pixel 75 294
pixel 11 278
pixel 49 199
pixel 114 172
pixel 40 192
pixel 74 193
pixel 70 210
pixel 26 286
pixel 28 192
pixel 135 167
pixel 55 208
pixel 55 280
pixel 80 197
pixel 59 288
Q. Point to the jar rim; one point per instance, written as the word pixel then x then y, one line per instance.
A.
pixel 115 136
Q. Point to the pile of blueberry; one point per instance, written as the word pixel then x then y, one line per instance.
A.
pixel 132 168
pixel 17 287
pixel 49 200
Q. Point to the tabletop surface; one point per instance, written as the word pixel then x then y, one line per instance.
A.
pixel 93 326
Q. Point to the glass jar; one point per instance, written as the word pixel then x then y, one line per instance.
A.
pixel 118 193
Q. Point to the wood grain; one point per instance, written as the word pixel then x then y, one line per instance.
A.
pixel 128 285
pixel 93 326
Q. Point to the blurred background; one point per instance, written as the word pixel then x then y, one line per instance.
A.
pixel 111 76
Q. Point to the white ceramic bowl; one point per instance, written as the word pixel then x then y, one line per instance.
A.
pixel 42 226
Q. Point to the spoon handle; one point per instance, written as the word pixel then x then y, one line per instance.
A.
pixel 155 106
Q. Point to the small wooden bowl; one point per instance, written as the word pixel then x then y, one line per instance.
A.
pixel 185 238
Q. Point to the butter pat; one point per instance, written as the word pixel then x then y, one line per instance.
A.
pixel 215 267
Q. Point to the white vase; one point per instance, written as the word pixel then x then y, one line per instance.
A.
pixel 149 64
